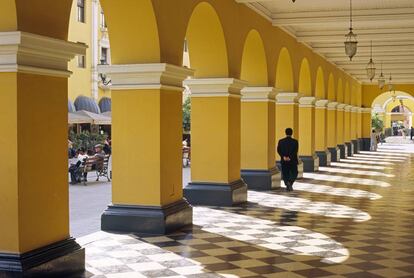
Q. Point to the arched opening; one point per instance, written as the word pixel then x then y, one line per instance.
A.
pixel 331 88
pixel 206 43
pixel 284 72
pixel 254 64
pixel 320 84
pixel 340 91
pixel 305 81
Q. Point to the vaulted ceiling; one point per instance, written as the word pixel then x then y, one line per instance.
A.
pixel 323 24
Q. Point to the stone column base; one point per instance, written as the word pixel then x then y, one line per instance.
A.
pixel 147 219
pixel 216 194
pixel 324 157
pixel 335 154
pixel 365 144
pixel 356 146
pixel 261 179
pixel 343 150
pixel 310 163
pixel 349 148
pixel 65 258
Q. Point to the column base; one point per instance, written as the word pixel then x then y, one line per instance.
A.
pixel 216 194
pixel 261 179
pixel 343 150
pixel 324 157
pixel 62 259
pixel 147 219
pixel 349 148
pixel 310 163
pixel 335 154
pixel 356 146
pixel 365 144
pixel 300 169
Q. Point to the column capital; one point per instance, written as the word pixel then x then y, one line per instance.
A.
pixel 332 105
pixel 215 87
pixel 35 54
pixel 146 76
pixel 340 106
pixel 287 98
pixel 258 94
pixel 354 109
pixel 321 104
pixel 307 102
pixel 348 108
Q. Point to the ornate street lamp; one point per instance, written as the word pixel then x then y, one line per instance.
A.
pixel 381 79
pixel 351 41
pixel 370 67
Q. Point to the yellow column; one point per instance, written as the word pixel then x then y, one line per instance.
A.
pixel 34 201
pixel 321 133
pixel 332 132
pixel 366 128
pixel 359 128
pixel 347 130
pixel 258 138
pixel 354 127
pixel 215 142
pixel 307 134
pixel 287 116
pixel 340 140
pixel 147 149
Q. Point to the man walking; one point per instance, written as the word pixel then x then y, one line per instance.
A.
pixel 287 148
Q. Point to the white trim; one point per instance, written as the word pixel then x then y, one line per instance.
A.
pixel 355 109
pixel 366 110
pixel 340 107
pixel 348 108
pixel 332 106
pixel 321 104
pixel 35 54
pixel 258 94
pixel 146 76
pixel 286 98
pixel 215 87
pixel 307 102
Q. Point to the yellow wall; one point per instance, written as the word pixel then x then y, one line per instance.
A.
pixel 370 92
pixel 306 131
pixel 286 116
pixel 254 65
pixel 321 129
pixel 340 127
pixel 331 128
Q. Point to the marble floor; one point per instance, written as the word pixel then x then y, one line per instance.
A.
pixel 352 219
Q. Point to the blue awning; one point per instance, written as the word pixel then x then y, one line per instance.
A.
pixel 105 104
pixel 71 107
pixel 86 104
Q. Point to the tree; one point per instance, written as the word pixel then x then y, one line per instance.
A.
pixel 377 123
pixel 187 115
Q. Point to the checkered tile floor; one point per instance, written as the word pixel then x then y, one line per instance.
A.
pixel 353 219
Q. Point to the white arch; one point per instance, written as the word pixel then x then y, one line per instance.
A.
pixel 381 101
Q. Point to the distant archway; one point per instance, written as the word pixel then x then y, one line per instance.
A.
pixel 284 71
pixel 254 64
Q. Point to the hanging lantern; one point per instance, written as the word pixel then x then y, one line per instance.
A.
pixel 381 79
pixel 391 85
pixel 351 41
pixel 370 67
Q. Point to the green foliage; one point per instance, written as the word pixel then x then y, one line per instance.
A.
pixel 377 123
pixel 187 115
pixel 86 139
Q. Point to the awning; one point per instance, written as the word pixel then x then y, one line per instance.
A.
pixel 87 104
pixel 97 119
pixel 75 118
pixel 105 104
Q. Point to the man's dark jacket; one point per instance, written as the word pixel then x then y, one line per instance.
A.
pixel 288 147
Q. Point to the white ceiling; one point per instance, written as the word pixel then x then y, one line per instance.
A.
pixel 323 24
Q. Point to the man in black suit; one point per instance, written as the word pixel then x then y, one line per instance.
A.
pixel 287 148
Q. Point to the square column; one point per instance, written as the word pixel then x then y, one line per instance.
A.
pixel 366 128
pixel 287 116
pixel 147 195
pixel 354 128
pixel 332 132
pixel 34 206
pixel 307 134
pixel 321 133
pixel 359 128
pixel 215 143
pixel 347 130
pixel 258 138
pixel 340 140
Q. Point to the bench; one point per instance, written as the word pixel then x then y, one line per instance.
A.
pixel 94 164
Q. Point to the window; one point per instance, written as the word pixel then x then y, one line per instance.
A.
pixel 103 21
pixel 81 11
pixel 104 56
pixel 81 61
